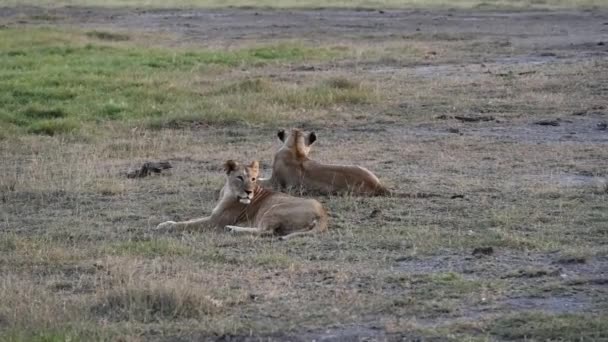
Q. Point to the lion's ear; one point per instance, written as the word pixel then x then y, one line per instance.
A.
pixel 312 137
pixel 255 165
pixel 281 135
pixel 230 165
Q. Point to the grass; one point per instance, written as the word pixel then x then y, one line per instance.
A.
pixel 369 4
pixel 78 260
pixel 130 83
pixel 150 248
pixel 543 327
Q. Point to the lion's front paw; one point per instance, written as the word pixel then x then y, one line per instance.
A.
pixel 165 226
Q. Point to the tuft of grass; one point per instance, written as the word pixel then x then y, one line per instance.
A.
pixel 109 187
pixel 335 91
pixel 44 113
pixel 342 83
pixel 128 294
pixel 151 248
pixel 53 127
pixel 272 259
pixel 110 36
pixel 256 85
pixel 154 303
pixel 8 242
pixel 545 327
pixel 50 335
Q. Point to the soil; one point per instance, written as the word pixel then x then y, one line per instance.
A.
pixel 538 31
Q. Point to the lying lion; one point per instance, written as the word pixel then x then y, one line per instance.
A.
pixel 293 169
pixel 260 211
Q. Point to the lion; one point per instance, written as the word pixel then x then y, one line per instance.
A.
pixel 292 168
pixel 255 209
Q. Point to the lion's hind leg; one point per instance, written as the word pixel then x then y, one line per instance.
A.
pixel 312 229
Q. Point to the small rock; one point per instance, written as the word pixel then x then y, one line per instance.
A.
pixel 548 122
pixel 453 130
pixel 375 213
pixel 305 68
pixel 148 168
pixel 457 196
pixel 479 251
pixel 403 258
pixel 601 44
pixel 572 260
pixel 602 126
pixel 473 118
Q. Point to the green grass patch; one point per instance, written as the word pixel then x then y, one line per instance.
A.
pixel 328 93
pixel 442 285
pixel 256 85
pixel 150 248
pixel 540 326
pixel 53 82
pixel 27 334
pixel 262 100
pixel 53 127
pixel 272 259
pixel 111 36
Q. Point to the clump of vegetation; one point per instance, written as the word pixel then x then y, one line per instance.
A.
pixel 342 83
pixel 154 303
pixel 110 36
pixel 128 294
pixel 334 91
pixel 255 85
pixel 53 127
pixel 545 327
pixel 150 248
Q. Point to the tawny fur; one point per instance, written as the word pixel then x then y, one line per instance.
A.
pixel 292 168
pixel 244 206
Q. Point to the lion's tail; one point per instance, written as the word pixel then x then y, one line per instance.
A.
pixel 320 224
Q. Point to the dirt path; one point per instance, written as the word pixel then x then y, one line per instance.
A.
pixel 538 30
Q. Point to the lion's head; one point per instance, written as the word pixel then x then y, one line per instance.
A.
pixel 297 140
pixel 242 179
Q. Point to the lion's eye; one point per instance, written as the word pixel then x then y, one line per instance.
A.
pixel 240 178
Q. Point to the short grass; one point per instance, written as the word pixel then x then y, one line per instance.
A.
pixel 85 81
pixel 78 260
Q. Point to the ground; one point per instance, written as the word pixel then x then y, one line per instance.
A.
pixel 489 124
